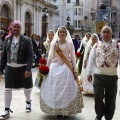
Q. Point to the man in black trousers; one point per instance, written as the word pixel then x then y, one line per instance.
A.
pixel 104 56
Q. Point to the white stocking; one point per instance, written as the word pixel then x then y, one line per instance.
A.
pixel 7 98
pixel 27 93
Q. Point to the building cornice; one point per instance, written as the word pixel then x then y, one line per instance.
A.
pixel 48 4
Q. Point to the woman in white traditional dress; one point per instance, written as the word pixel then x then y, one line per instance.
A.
pixel 46 44
pixel 49 39
pixel 60 94
pixel 84 41
pixel 87 86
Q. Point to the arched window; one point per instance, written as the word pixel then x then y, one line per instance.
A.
pixel 44 25
pixel 28 23
pixel 4 18
pixel 27 17
pixel 5 12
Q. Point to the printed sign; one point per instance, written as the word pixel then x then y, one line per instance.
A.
pixel 102 14
pixel 100 25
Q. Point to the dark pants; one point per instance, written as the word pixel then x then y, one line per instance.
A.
pixel 105 90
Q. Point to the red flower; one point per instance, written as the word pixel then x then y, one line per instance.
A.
pixel 42 61
pixel 44 70
pixel 78 54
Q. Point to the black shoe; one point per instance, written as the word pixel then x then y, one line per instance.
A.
pixel 28 107
pixel 98 118
pixel 66 116
pixel 6 114
pixel 59 116
pixel 108 118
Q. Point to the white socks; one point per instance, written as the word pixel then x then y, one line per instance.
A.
pixel 27 93
pixel 8 98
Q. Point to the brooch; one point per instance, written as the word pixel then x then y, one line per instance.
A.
pixel 8 41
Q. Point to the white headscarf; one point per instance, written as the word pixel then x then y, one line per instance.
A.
pixel 55 39
pixel 48 42
pixel 83 73
pixel 47 39
pixel 88 44
pixel 83 41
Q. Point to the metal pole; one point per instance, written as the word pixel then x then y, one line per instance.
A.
pixel 45 24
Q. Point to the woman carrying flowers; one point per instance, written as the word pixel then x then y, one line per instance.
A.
pixel 49 38
pixel 82 50
pixel 42 73
pixel 60 94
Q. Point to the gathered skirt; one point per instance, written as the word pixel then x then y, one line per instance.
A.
pixel 87 86
pixel 60 94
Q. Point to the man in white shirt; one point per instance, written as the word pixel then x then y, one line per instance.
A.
pixel 104 56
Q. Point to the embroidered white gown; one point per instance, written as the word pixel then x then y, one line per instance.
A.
pixel 87 86
pixel 59 92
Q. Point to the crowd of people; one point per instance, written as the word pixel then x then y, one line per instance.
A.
pixel 59 93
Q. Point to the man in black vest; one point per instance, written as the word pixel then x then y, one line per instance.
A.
pixel 16 59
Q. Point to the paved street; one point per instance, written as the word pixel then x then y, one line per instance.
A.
pixel 18 106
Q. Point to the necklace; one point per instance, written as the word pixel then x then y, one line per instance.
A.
pixel 62 42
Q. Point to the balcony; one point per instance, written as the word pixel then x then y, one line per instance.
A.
pixel 78 4
pixel 93 10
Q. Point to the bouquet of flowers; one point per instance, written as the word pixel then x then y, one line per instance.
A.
pixel 78 55
pixel 42 73
pixel 43 70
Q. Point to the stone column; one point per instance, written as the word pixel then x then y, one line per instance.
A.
pixel 40 21
pixel 51 21
pixel 35 18
pixel 15 10
pixel 19 13
pixel 19 6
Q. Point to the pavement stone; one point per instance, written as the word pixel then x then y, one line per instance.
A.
pixel 18 105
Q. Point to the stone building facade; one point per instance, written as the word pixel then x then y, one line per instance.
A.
pixel 113 10
pixel 78 12
pixel 30 13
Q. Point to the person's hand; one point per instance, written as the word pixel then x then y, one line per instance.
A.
pixel 43 56
pixel 84 66
pixel 1 73
pixel 75 75
pixel 89 77
pixel 27 74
